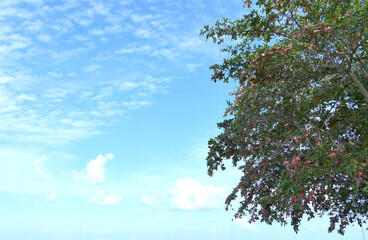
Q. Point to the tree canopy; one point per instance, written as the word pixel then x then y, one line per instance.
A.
pixel 298 125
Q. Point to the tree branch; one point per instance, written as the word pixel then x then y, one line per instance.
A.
pixel 362 89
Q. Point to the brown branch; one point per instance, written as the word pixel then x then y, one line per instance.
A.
pixel 362 89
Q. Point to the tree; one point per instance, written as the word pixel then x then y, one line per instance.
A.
pixel 298 125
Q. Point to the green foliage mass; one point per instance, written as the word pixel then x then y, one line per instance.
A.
pixel 298 125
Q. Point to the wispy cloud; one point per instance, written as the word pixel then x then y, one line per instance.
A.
pixel 14 42
pixel 102 199
pixel 243 222
pixel 40 169
pixel 164 218
pixel 44 38
pixel 192 66
pixel 143 33
pixel 151 199
pixel 41 102
pixel 189 194
pixel 51 197
pixel 92 68
pixel 60 115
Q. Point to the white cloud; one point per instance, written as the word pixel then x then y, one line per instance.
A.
pixel 34 25
pixel 39 168
pixel 141 18
pixel 125 2
pixel 143 33
pixel 47 119
pixel 55 75
pixel 245 223
pixel 44 38
pixel 125 86
pixel 192 67
pixel 15 2
pixel 97 32
pixel 83 21
pixel 151 199
pixel 135 104
pixel 56 115
pixel 26 97
pixel 6 79
pixel 189 194
pixel 15 42
pixel 81 38
pixel 112 199
pixel 51 197
pixel 95 171
pixel 113 29
pixel 15 12
pixel 92 68
pixel 148 199
pixel 66 55
pixel 100 8
pixel 133 48
pixel 71 74
pixel 167 53
pixel 164 217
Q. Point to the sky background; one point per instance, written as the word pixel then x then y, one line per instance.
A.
pixel 106 108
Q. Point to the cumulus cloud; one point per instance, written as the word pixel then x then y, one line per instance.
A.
pixel 39 168
pixel 95 171
pixel 189 194
pixel 245 224
pixel 112 199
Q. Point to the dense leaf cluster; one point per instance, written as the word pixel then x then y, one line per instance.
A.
pixel 298 125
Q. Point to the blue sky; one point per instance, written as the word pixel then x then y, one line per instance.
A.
pixel 105 111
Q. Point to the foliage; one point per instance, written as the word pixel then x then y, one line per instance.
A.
pixel 298 125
